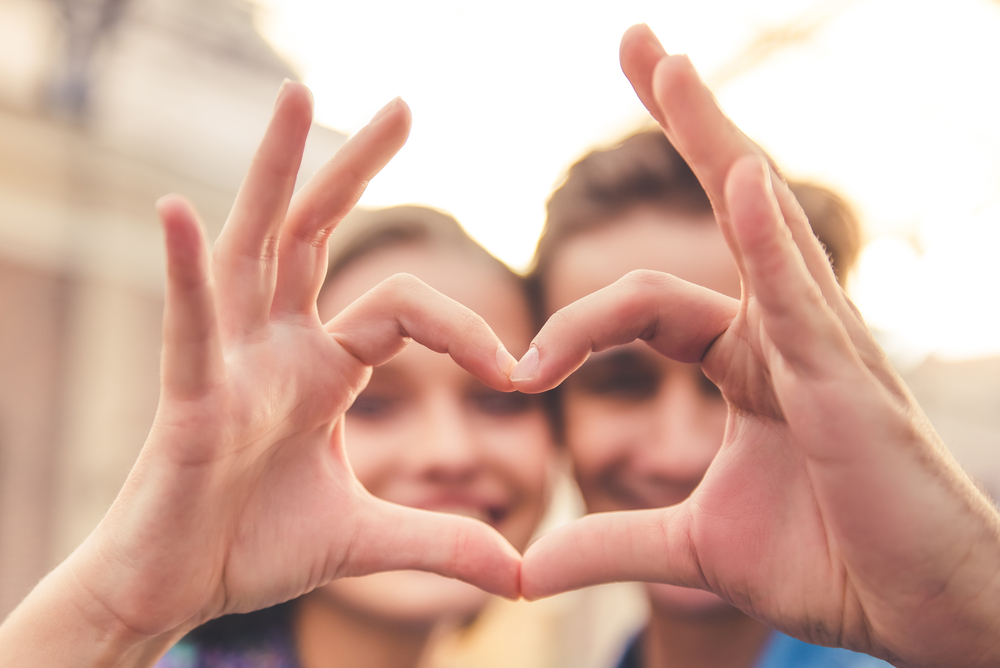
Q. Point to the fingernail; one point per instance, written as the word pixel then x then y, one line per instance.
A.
pixel 281 90
pixel 527 368
pixel 505 361
pixel 386 109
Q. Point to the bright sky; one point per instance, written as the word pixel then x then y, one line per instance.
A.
pixel 893 102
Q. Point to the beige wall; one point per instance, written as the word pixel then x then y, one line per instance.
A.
pixel 32 346
pixel 182 91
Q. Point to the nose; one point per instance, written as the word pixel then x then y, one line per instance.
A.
pixel 685 432
pixel 445 448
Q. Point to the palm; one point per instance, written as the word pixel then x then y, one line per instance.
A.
pixel 279 457
pixel 242 496
pixel 832 510
pixel 757 499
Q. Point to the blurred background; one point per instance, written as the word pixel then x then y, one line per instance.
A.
pixel 105 105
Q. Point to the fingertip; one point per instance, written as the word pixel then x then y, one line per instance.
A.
pixel 641 37
pixel 748 168
pixel 750 198
pixel 406 112
pixel 177 217
pixel 396 109
pixel 530 591
pixel 171 206
pixel 183 236
pixel 392 122
pixel 527 368
pixel 505 361
pixel 673 73
pixel 296 95
pixel 402 119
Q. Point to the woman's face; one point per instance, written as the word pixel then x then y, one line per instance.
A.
pixel 641 428
pixel 426 434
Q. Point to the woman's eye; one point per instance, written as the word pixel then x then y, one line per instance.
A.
pixel 494 402
pixel 373 406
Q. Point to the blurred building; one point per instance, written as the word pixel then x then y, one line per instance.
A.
pixel 105 105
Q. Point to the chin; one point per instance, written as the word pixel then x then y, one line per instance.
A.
pixel 407 597
pixel 690 604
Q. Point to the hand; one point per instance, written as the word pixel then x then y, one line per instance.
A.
pixel 832 512
pixel 242 496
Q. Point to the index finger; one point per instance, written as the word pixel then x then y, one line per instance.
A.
pixel 380 323
pixel 327 197
pixel 677 318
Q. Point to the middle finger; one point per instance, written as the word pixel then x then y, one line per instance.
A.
pixel 246 252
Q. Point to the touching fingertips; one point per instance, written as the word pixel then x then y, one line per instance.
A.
pixel 505 361
pixel 527 368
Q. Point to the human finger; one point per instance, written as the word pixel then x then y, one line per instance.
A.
pixel 246 251
pixel 192 353
pixel 641 546
pixel 639 53
pixel 644 62
pixel 711 144
pixel 677 318
pixel 326 199
pixel 391 537
pixel 378 325
pixel 795 312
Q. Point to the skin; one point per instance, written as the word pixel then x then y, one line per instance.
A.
pixel 242 496
pixel 832 512
pixel 886 545
pixel 426 433
pixel 643 429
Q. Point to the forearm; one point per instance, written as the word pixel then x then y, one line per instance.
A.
pixel 63 624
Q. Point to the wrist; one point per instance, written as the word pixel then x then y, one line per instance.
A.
pixel 64 621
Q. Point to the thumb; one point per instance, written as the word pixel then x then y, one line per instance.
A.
pixel 643 546
pixel 393 537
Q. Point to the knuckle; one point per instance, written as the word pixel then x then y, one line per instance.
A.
pixel 645 282
pixel 642 286
pixel 401 285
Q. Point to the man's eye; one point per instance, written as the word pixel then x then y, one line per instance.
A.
pixel 494 402
pixel 373 406
pixel 628 386
pixel 620 377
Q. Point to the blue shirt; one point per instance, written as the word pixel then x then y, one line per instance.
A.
pixel 783 651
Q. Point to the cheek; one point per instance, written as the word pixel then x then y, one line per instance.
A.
pixel 521 450
pixel 373 451
pixel 522 457
pixel 596 434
